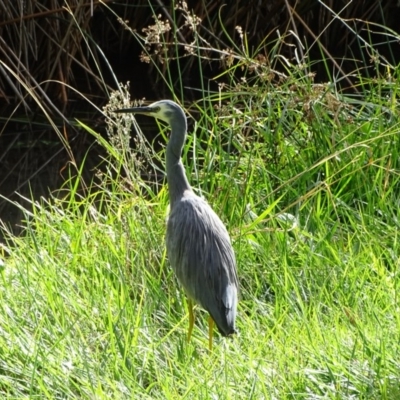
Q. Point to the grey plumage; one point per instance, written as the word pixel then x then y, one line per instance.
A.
pixel 198 244
pixel 201 255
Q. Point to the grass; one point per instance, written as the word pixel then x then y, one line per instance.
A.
pixel 305 176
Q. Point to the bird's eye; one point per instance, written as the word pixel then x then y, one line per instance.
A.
pixel 156 109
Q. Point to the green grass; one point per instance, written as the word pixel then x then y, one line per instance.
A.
pixel 89 307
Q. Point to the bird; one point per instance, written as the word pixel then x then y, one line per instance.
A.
pixel 198 245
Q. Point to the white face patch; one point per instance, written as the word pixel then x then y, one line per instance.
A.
pixel 162 111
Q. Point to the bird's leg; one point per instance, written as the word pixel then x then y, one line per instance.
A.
pixel 210 332
pixel 191 319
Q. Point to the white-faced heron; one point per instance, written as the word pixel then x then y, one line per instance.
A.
pixel 198 244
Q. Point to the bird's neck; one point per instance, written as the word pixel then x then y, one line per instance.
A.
pixel 177 180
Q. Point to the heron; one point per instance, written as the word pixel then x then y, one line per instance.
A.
pixel 198 245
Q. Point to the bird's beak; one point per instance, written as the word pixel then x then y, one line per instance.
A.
pixel 135 110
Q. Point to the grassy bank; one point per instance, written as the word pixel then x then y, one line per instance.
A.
pixel 305 176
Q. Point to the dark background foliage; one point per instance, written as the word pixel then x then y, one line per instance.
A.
pixel 61 59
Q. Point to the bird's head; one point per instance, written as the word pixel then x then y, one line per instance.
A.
pixel 165 110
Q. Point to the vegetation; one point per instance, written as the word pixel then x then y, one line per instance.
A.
pixel 306 177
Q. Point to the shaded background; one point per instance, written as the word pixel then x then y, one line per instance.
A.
pixel 59 57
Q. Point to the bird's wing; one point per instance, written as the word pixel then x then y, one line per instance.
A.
pixel 202 257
